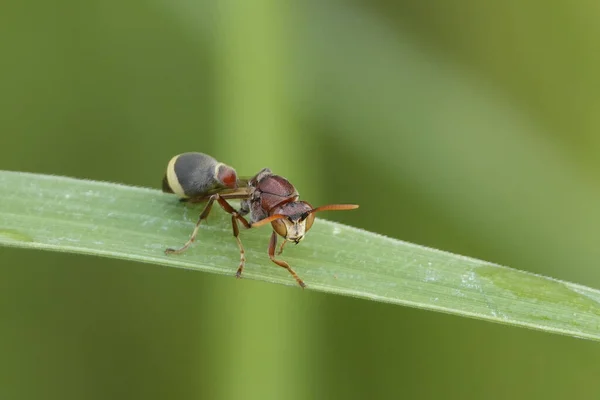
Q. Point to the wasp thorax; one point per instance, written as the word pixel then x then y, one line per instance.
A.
pixel 297 221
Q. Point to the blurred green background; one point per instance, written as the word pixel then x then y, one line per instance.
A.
pixel 467 126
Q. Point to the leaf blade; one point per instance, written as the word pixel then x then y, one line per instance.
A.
pixel 111 220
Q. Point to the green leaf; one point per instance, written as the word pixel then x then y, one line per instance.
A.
pixel 112 220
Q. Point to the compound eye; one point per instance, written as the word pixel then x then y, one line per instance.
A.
pixel 309 221
pixel 280 227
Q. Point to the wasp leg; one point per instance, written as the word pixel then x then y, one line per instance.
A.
pixel 202 217
pixel 282 263
pixel 236 235
pixel 281 247
pixel 235 217
pixel 223 203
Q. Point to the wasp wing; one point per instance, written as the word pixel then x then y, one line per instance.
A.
pixel 241 192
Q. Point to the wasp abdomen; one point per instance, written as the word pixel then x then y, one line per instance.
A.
pixel 195 174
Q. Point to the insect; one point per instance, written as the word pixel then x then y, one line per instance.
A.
pixel 268 198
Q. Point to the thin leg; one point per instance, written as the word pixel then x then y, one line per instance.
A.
pixel 227 207
pixel 281 247
pixel 234 218
pixel 203 216
pixel 282 263
pixel 236 235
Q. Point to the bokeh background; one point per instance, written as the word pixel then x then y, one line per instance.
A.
pixel 468 126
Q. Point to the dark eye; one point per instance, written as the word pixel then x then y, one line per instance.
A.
pixel 309 221
pixel 279 227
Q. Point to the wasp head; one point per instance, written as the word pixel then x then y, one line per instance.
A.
pixel 297 218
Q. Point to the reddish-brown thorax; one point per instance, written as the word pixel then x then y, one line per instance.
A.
pixel 275 191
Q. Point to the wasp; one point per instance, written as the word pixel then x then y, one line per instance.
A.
pixel 266 197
